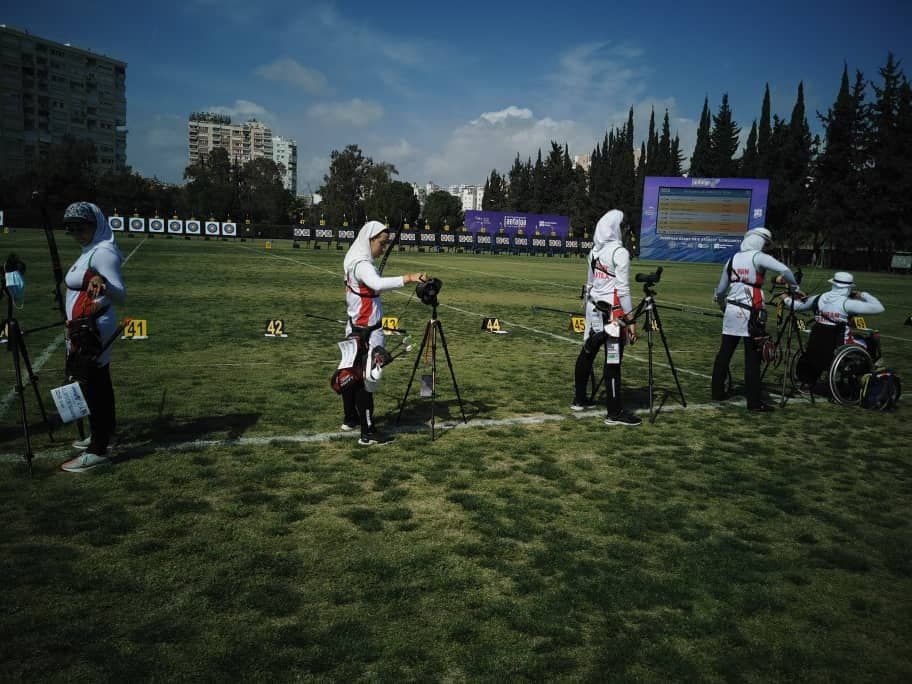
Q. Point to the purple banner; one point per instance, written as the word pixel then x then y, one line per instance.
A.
pixel 699 219
pixel 512 222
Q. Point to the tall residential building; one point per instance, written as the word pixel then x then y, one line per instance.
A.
pixel 469 195
pixel 49 91
pixel 285 153
pixel 243 142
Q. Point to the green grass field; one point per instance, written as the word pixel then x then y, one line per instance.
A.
pixel 239 538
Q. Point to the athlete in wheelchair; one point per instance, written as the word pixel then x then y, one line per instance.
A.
pixel 839 349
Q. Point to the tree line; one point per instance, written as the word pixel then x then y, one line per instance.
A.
pixel 216 187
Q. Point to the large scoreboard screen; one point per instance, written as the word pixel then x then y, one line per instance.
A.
pixel 699 219
pixel 698 210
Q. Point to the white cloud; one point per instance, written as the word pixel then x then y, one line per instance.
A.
pixel 473 149
pixel 288 70
pixel 397 152
pixel 504 114
pixel 243 109
pixel 357 113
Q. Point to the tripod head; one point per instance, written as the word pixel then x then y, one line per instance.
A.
pixel 649 281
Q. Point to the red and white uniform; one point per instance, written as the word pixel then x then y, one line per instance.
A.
pixel 101 256
pixel 741 283
pixel 609 272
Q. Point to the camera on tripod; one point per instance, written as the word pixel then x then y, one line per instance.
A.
pixel 649 279
pixel 13 278
pixel 428 290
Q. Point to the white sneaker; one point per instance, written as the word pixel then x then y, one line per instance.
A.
pixel 345 427
pixel 82 443
pixel 85 462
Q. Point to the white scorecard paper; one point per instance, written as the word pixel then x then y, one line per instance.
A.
pixel 70 401
pixel 349 349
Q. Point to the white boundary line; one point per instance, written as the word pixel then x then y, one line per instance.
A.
pixel 49 351
pixel 477 423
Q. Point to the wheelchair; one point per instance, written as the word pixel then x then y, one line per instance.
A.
pixel 849 363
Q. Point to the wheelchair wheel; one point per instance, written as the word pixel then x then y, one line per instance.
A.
pixel 850 362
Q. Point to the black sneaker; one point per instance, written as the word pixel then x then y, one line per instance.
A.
pixel 624 418
pixel 584 405
pixel 374 439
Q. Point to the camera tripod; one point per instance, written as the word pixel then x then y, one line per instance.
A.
pixel 790 330
pixel 653 323
pixel 432 330
pixel 19 351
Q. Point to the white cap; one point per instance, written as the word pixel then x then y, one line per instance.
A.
pixel 842 279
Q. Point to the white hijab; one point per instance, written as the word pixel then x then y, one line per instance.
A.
pixel 608 229
pixel 360 249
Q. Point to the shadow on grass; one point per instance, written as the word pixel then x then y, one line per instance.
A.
pixel 143 438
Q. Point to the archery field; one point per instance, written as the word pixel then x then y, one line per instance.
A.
pixel 241 536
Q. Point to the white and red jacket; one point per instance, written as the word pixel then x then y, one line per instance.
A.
pixel 101 257
pixel 741 283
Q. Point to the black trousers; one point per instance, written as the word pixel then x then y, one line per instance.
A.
pixel 359 407
pixel 100 396
pixel 583 371
pixel 751 369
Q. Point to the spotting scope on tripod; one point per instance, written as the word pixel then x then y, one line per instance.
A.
pixel 652 323
pixel 427 292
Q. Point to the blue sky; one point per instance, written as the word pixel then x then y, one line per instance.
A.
pixel 448 91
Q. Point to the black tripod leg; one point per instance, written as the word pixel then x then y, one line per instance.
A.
pixel 674 371
pixel 408 388
pixel 14 341
pixel 33 380
pixel 446 353
pixel 433 331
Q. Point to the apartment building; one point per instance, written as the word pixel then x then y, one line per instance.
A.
pixel 285 153
pixel 51 90
pixel 243 142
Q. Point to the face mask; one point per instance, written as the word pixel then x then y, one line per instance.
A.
pixel 15 285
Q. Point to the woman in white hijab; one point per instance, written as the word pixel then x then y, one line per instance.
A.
pixel 94 286
pixel 608 285
pixel 363 285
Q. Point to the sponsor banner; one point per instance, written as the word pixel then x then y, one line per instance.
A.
pixel 514 222
pixel 324 234
pixel 212 228
pixel 699 219
pixel 137 225
pixel 192 227
pixel 116 222
pixel 303 233
pixel 175 226
pixel 229 229
pixel 346 235
pixel 156 225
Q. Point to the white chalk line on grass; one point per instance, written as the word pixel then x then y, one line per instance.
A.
pixel 49 351
pixel 444 426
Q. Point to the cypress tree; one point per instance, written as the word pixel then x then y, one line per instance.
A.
pixel 750 157
pixel 663 166
pixel 764 136
pixel 723 142
pixel 699 162
pixel 676 165
pixel 650 155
